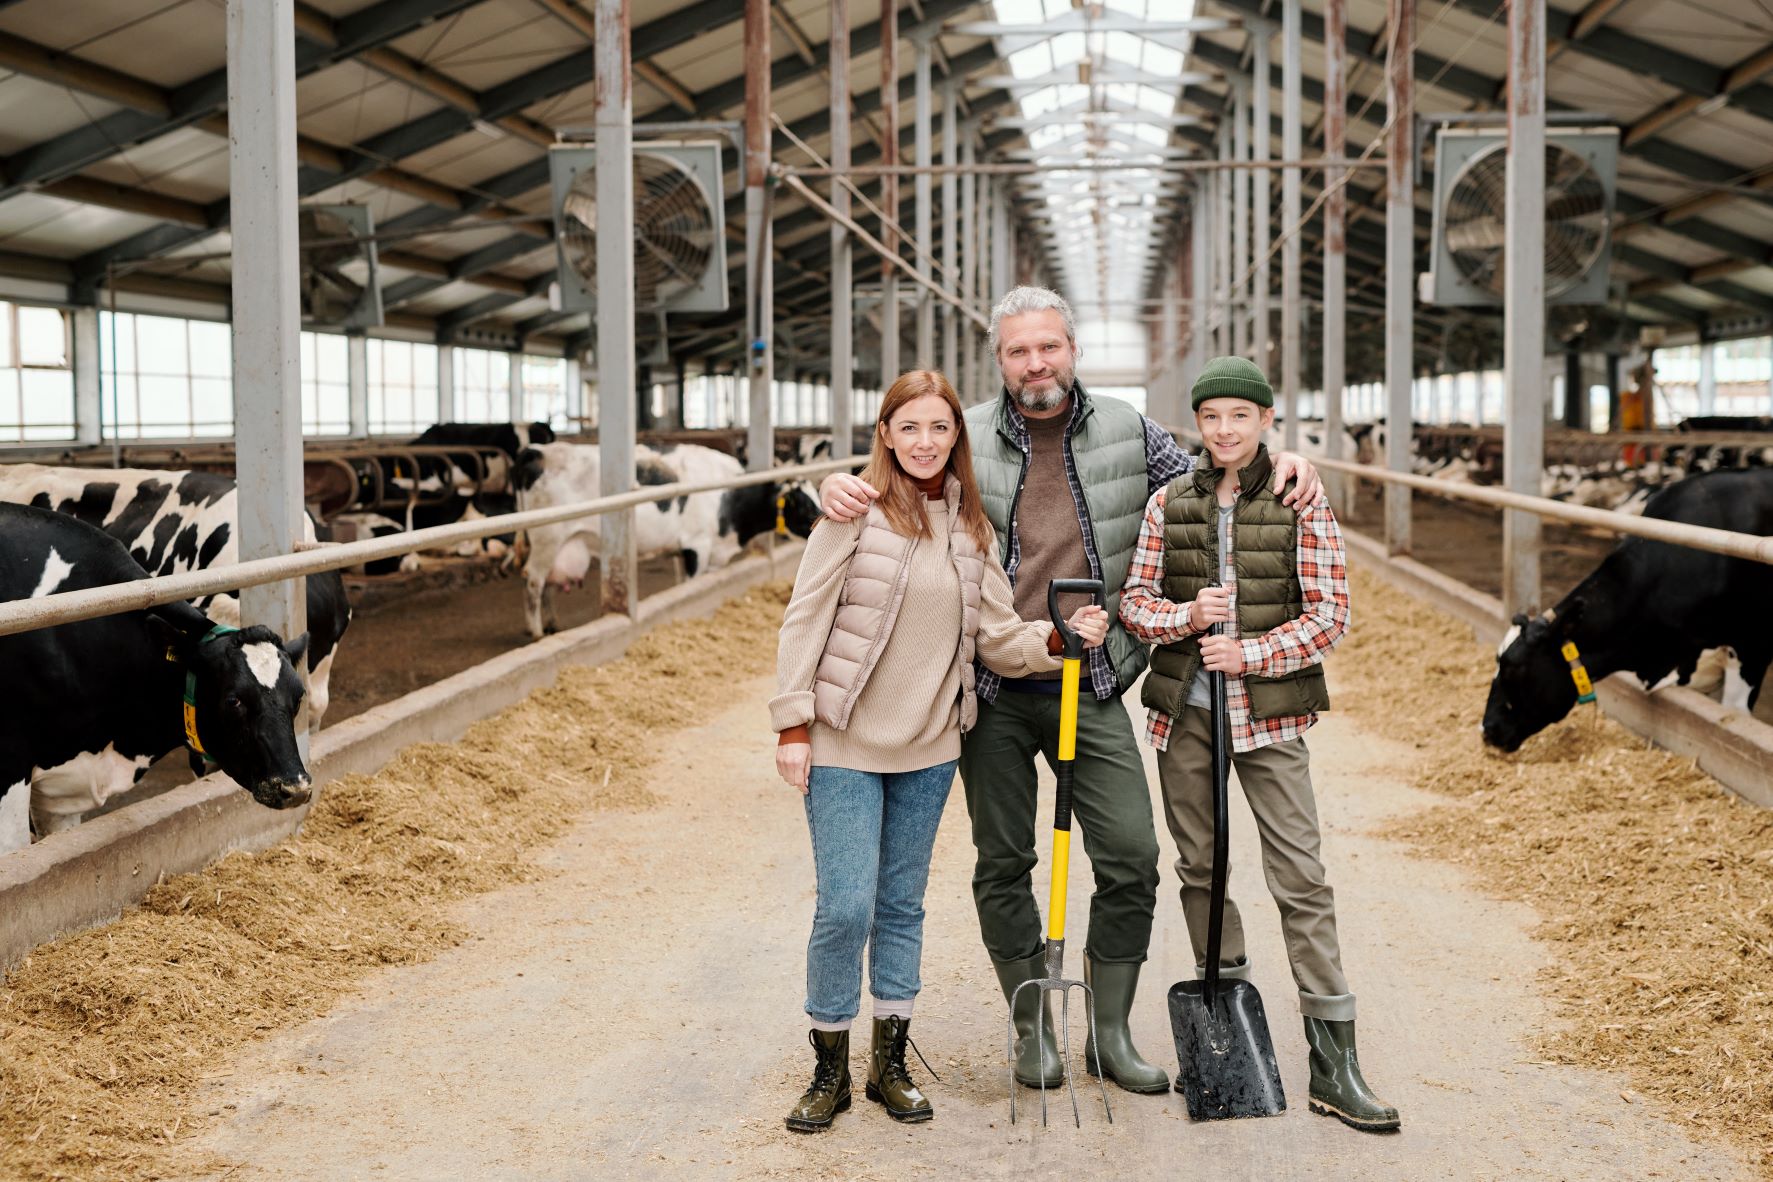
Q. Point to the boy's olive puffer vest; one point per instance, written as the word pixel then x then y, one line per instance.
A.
pixel 1264 549
pixel 1108 451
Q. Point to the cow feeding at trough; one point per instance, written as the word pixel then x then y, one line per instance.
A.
pixel 1651 609
pixel 92 703
pixel 171 522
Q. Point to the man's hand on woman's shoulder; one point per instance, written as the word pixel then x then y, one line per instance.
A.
pixel 845 497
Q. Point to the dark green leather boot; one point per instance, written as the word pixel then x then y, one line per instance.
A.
pixel 1037 1060
pixel 889 1081
pixel 1112 987
pixel 829 1093
pixel 1337 1087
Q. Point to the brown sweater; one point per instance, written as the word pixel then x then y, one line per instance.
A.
pixel 908 714
pixel 1051 539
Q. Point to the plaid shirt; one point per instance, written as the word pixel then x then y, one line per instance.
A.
pixel 1164 461
pixel 1322 566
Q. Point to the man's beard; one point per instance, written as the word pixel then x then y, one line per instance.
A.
pixel 1045 400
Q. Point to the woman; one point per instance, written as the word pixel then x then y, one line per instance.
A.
pixel 875 669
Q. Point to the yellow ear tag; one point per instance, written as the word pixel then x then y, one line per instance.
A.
pixel 191 727
pixel 1578 672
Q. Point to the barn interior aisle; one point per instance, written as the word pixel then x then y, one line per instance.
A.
pixel 635 1010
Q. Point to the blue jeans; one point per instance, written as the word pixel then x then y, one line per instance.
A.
pixel 872 837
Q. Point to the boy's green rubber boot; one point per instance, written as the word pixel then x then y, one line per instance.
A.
pixel 1337 1086
pixel 1037 1058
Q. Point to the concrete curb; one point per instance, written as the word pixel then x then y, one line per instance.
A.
pixel 1728 745
pixel 89 874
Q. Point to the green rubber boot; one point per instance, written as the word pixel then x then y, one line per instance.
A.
pixel 1337 1087
pixel 889 1080
pixel 829 1093
pixel 1112 987
pixel 1037 1060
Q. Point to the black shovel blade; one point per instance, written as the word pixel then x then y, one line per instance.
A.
pixel 1226 1056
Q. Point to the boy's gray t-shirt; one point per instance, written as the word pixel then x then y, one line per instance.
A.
pixel 1197 691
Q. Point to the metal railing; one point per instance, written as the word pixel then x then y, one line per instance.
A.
pixel 1754 547
pixel 66 607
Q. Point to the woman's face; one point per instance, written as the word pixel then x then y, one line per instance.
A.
pixel 921 434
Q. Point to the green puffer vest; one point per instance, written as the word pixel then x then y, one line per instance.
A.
pixel 1108 451
pixel 1264 549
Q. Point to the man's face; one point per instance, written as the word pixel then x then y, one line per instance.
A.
pixel 1037 359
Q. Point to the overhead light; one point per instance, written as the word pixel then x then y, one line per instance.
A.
pixel 489 129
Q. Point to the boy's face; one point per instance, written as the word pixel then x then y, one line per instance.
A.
pixel 1231 429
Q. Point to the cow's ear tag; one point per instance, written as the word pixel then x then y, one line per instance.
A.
pixel 171 655
pixel 1578 672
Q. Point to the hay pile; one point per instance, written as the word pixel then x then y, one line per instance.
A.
pixel 1654 885
pixel 105 1035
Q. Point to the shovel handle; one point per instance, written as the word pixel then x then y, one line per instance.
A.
pixel 1091 587
pixel 1221 752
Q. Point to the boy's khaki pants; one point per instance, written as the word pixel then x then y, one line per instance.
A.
pixel 1277 782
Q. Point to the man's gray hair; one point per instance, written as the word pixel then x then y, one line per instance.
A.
pixel 1021 300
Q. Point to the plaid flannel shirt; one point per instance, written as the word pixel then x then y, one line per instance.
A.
pixel 1322 565
pixel 1165 460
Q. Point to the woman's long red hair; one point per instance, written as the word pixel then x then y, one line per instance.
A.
pixel 900 498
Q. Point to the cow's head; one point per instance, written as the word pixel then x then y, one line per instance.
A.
pixel 1533 687
pixel 800 508
pixel 245 693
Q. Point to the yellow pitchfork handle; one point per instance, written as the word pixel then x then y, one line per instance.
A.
pixel 1062 810
pixel 1068 691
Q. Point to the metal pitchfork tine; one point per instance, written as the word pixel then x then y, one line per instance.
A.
pixel 1055 980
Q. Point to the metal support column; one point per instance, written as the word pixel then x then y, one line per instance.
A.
pixel 970 241
pixel 843 310
pixel 1261 210
pixel 514 387
pixel 573 386
pixel 446 383
pixel 357 383
pixel 262 185
pixel 1200 287
pixel 88 362
pixel 1612 394
pixel 926 304
pixel 1400 264
pixel 889 190
pixel 616 395
pixel 1222 254
pixel 1292 314
pixel 1240 220
pixel 1335 324
pixel 951 228
pixel 759 247
pixel 1523 302
pixel 1575 391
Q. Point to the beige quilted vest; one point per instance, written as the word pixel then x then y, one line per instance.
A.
pixel 869 606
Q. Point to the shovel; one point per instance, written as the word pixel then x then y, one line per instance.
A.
pixel 1055 980
pixel 1222 1043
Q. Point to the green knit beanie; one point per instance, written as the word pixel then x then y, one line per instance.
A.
pixel 1232 377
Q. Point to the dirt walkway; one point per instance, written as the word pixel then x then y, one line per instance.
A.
pixel 637 1015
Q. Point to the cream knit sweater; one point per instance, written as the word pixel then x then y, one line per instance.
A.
pixel 908 714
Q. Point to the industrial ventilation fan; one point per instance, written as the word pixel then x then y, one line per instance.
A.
pixel 1471 215
pixel 679 227
pixel 340 287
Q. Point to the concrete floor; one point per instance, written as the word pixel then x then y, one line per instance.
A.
pixel 637 1015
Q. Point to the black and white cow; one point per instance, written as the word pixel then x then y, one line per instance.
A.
pixel 172 522
pixel 447 492
pixel 89 705
pixel 707 530
pixel 1650 609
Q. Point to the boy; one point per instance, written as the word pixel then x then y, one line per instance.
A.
pixel 1284 604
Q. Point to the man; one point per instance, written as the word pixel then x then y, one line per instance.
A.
pixel 1065 479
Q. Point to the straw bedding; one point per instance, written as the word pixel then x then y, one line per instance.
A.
pixel 105 1035
pixel 1654 886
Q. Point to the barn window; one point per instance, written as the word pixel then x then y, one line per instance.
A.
pixel 544 395
pixel 36 383
pixel 402 387
pixel 326 384
pixel 165 377
pixel 483 386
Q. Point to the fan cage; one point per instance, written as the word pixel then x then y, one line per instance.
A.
pixel 674 231
pixel 1475 219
